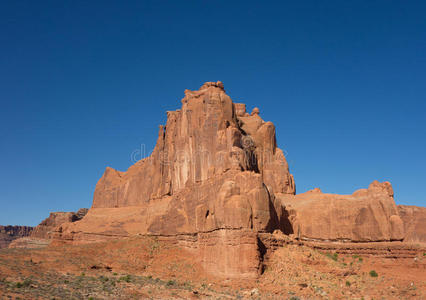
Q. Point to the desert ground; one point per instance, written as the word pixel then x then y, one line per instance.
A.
pixel 148 268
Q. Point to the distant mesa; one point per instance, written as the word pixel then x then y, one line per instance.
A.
pixel 10 233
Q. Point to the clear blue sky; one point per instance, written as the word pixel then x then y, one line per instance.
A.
pixel 85 83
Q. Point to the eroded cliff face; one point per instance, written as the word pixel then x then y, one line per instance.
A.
pixel 216 182
pixel 55 220
pixel 414 218
pixel 368 215
pixel 41 235
pixel 214 167
pixel 10 233
pixel 206 139
pixel 212 175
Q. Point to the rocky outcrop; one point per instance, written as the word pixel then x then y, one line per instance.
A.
pixel 208 138
pixel 214 167
pixel 368 215
pixel 414 219
pixel 41 234
pixel 215 181
pixel 212 173
pixel 55 219
pixel 10 233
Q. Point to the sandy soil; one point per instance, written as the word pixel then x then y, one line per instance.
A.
pixel 145 268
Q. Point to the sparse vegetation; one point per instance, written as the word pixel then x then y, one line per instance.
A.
pixel 333 256
pixel 26 283
pixel 170 283
pixel 373 273
pixel 126 278
pixel 294 270
pixel 348 283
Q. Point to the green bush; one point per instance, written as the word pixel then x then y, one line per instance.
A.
pixel 348 283
pixel 170 283
pixel 373 273
pixel 26 283
pixel 126 278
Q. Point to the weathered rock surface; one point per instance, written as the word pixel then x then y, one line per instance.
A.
pixel 55 219
pixel 215 181
pixel 201 142
pixel 368 215
pixel 213 170
pixel 29 243
pixel 41 234
pixel 10 233
pixel 414 219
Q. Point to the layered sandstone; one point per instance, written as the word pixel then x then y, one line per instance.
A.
pixel 368 215
pixel 10 233
pixel 214 167
pixel 212 174
pixel 208 138
pixel 215 181
pixel 41 234
pixel 414 218
pixel 55 219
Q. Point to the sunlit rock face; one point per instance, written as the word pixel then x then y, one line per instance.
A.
pixel 414 218
pixel 216 182
pixel 217 165
pixel 368 215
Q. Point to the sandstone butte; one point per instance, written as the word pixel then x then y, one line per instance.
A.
pixel 217 184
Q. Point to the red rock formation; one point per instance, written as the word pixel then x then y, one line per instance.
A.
pixel 10 233
pixel 368 215
pixel 40 235
pixel 213 167
pixel 215 181
pixel 211 174
pixel 414 218
pixel 202 141
pixel 55 219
